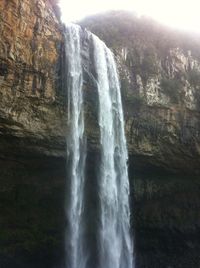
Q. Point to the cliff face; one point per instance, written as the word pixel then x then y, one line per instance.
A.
pixel 166 220
pixel 160 78
pixel 31 126
pixel 164 125
pixel 160 90
pixel 30 48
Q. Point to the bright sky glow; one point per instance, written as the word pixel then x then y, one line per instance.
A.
pixel 181 14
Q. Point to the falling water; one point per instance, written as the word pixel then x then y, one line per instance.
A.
pixel 113 232
pixel 75 149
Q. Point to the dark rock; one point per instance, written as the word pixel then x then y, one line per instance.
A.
pixel 160 90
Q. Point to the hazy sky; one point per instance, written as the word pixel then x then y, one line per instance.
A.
pixel 184 14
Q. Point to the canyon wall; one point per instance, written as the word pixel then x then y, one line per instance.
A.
pixel 30 50
pixel 159 71
pixel 31 112
pixel 160 79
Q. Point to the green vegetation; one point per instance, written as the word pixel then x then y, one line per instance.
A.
pixel 171 87
pixel 129 96
pixel 135 100
pixel 194 77
pixel 148 65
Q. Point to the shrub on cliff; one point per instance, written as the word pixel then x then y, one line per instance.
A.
pixel 171 87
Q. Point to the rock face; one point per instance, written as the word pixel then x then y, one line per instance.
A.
pixel 30 49
pixel 160 78
pixel 160 89
pixel 166 220
pixel 31 126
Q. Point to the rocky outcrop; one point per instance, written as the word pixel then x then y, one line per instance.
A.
pixel 32 125
pixel 160 78
pixel 160 89
pixel 30 49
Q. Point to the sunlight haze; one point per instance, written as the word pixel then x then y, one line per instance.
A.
pixel 177 13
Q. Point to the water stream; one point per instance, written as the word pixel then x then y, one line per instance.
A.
pixel 115 249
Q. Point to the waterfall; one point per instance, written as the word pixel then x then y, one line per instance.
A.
pixel 115 249
pixel 75 150
pixel 114 232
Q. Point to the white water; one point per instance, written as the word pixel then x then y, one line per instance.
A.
pixel 75 149
pixel 115 248
pixel 114 235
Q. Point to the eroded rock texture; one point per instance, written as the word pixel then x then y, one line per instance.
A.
pixel 31 126
pixel 30 49
pixel 160 78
